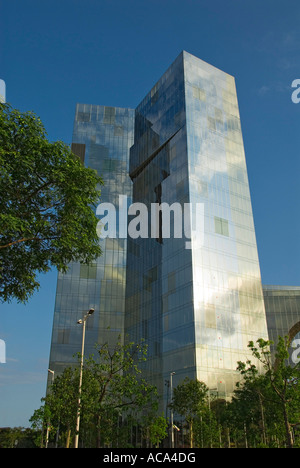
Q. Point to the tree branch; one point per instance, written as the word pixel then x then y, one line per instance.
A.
pixel 25 239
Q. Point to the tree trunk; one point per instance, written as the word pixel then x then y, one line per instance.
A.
pixel 98 441
pixel 68 438
pixel 191 434
pixel 263 427
pixel 289 437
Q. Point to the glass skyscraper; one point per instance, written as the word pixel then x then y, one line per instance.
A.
pixel 196 303
pixel 191 290
pixel 102 137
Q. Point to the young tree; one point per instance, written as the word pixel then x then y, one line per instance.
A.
pixel 46 207
pixel 112 391
pixel 60 406
pixel 189 399
pixel 116 386
pixel 155 429
pixel 15 437
pixel 278 387
pixel 206 428
pixel 246 415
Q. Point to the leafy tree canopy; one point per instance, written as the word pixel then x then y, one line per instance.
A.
pixel 47 216
pixel 189 398
pixel 114 398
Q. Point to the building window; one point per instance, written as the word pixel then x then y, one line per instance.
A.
pixel 109 115
pixel 88 271
pixel 172 153
pixel 83 117
pixel 79 150
pixel 171 281
pixel 63 336
pixel 118 130
pixel 203 188
pixel 221 226
pixel 110 165
pixel 199 93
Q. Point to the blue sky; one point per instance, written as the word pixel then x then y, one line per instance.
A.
pixel 111 52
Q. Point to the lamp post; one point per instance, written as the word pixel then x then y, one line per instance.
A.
pixel 172 414
pixel 83 322
pixel 48 424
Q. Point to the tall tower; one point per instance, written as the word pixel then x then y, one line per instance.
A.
pixel 195 298
pixel 196 303
pixel 102 137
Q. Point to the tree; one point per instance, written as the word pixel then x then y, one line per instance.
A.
pixel 47 216
pixel 276 393
pixel 188 400
pixel 60 406
pixel 15 437
pixel 115 385
pixel 246 414
pixel 206 429
pixel 113 394
pixel 155 429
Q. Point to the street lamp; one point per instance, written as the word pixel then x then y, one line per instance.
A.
pixel 48 424
pixel 172 415
pixel 83 322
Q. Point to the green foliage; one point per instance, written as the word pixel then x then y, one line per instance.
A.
pixel 266 407
pixel 60 407
pixel 158 430
pixel 119 409
pixel 189 397
pixel 116 388
pixel 17 437
pixel 46 207
pixel 189 400
pixel 263 412
pixel 114 398
pixel 155 429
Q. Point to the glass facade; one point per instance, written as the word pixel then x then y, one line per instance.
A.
pixel 159 305
pixel 283 316
pixel 227 293
pixel 196 304
pixel 194 295
pixel 102 137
